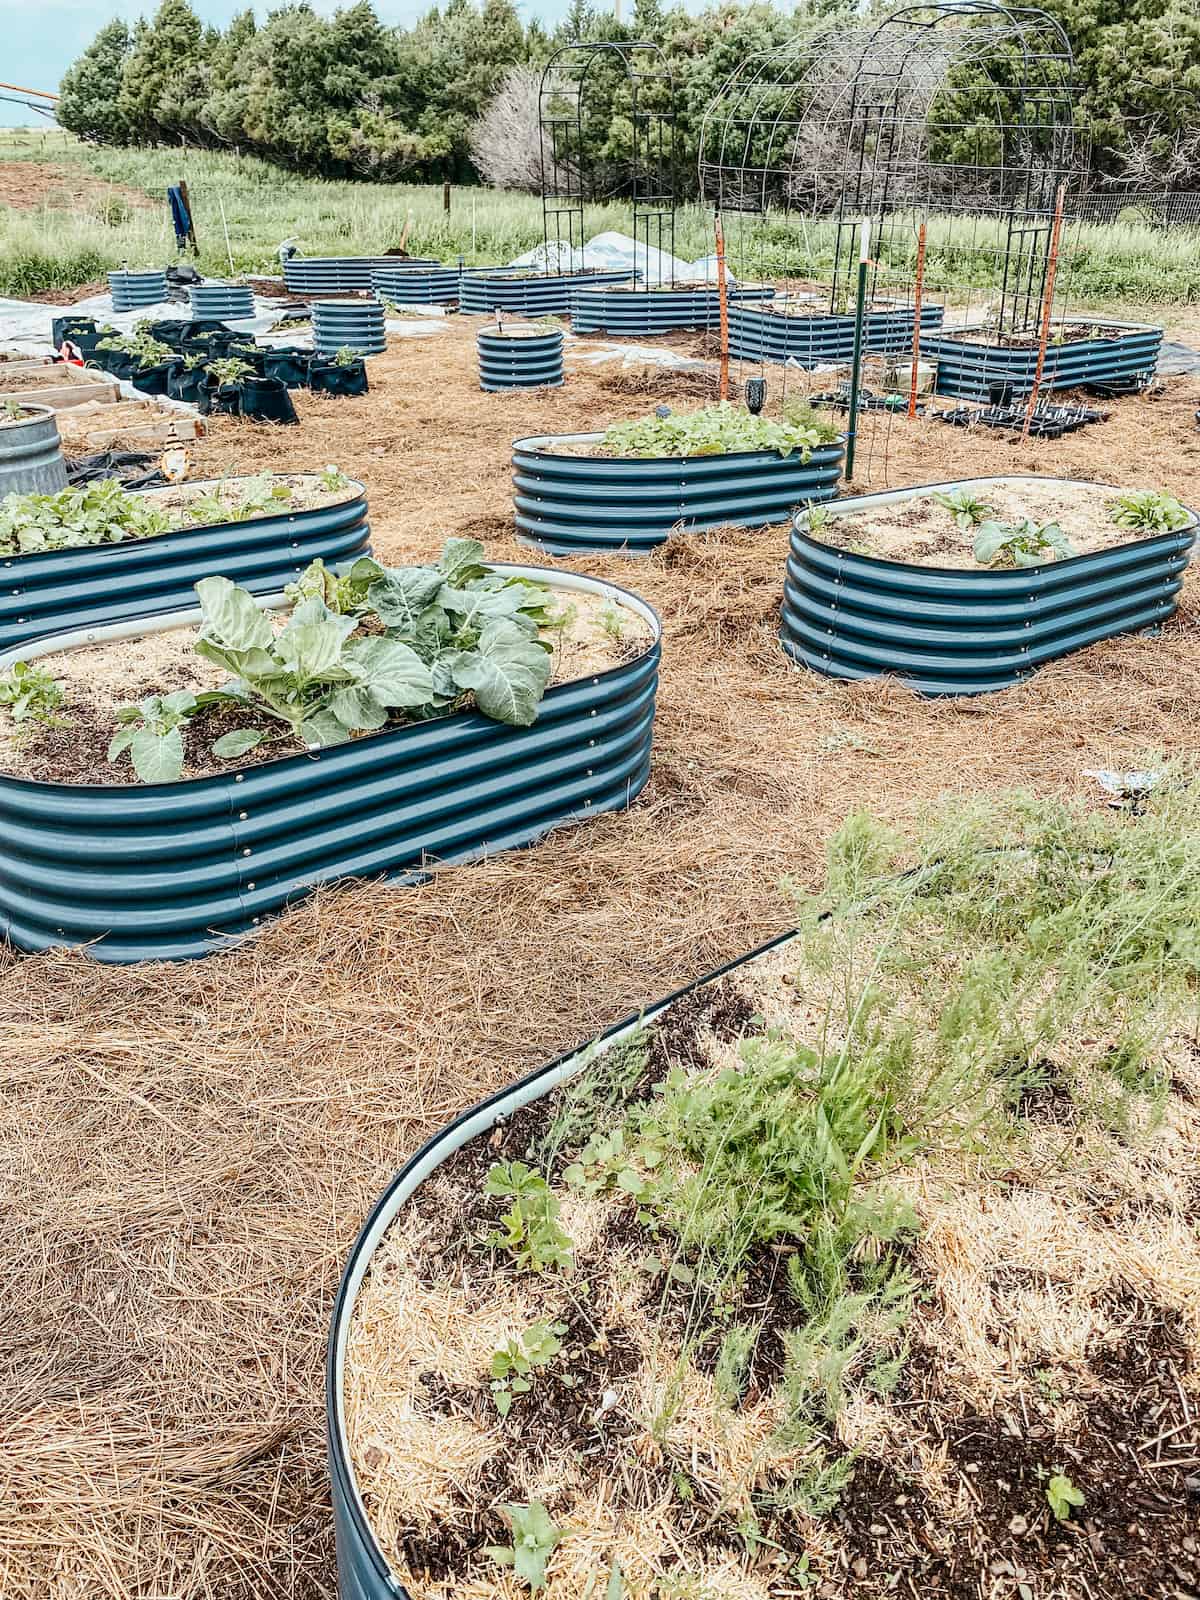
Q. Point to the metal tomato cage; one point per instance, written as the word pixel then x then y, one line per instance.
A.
pixel 637 78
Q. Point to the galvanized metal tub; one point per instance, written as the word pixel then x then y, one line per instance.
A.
pixel 417 285
pixel 221 302
pixel 342 274
pixel 951 631
pixel 532 294
pixel 174 870
pixel 968 368
pixel 568 503
pixel 31 458
pixel 95 585
pixel 357 324
pixel 363 1571
pixel 132 290
pixel 757 333
pixel 641 313
pixel 519 358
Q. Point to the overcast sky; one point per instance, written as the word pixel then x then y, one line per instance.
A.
pixel 42 37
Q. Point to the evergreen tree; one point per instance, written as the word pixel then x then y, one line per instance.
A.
pixel 91 88
pixel 163 85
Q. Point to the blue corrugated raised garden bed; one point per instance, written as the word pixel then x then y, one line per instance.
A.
pixel 642 310
pixel 800 332
pixel 97 554
pixel 1105 354
pixel 167 783
pixel 960 588
pixel 629 489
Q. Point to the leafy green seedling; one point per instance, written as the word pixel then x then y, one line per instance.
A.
pixel 347 356
pixel 733 1362
pixel 611 621
pixel 531 1232
pixel 332 479
pixel 152 733
pixel 514 1362
pixel 968 511
pixel 30 693
pixel 1022 544
pixel 88 514
pixel 1148 510
pixel 14 411
pixel 229 371
pixel 717 430
pixel 534 1540
pixel 1062 1496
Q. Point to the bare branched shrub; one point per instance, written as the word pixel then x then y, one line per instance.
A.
pixel 505 141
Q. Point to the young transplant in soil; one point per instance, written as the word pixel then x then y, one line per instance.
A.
pixel 868 1267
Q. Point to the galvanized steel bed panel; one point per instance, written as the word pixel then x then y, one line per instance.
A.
pixel 567 503
pixel 173 870
pixel 949 631
pixel 342 274
pixel 221 302
pixel 519 361
pixel 100 584
pixel 758 334
pixel 132 290
pixel 354 324
pixel 641 313
pixel 538 295
pixel 417 285
pixel 967 370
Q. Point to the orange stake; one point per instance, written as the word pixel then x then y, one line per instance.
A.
pixel 1047 307
pixel 723 303
pixel 916 345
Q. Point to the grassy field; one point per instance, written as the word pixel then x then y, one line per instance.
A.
pixel 245 208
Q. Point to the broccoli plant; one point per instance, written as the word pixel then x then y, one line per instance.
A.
pixel 152 732
pixel 1021 544
pixel 967 511
pixel 534 1541
pixel 30 693
pixel 1149 511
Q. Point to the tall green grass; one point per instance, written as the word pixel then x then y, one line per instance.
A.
pixel 258 206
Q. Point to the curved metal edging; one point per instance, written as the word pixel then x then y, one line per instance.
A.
pixel 363 1570
pixel 417 285
pixel 342 274
pixel 641 313
pixel 760 334
pixel 952 631
pixel 569 503
pixel 515 360
pixel 529 294
pixel 358 324
pixel 94 585
pixel 131 291
pixel 167 871
pixel 221 302
pixel 968 369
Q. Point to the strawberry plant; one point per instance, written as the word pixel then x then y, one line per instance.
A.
pixel 718 430
pixel 1021 544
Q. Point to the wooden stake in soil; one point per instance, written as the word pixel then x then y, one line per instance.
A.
pixel 916 345
pixel 723 303
pixel 1047 307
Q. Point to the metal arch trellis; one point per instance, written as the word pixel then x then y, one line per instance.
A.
pixel 959 108
pixel 568 176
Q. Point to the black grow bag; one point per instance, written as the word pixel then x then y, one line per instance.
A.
pixel 224 399
pixel 189 384
pixel 81 331
pixel 325 377
pixel 118 364
pixel 267 400
pixel 151 380
pixel 288 364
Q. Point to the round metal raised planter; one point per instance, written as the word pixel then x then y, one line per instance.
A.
pixel 529 294
pixel 132 290
pixel 221 302
pixel 962 631
pixel 970 369
pixel 167 871
pixel 31 458
pixel 757 333
pixel 519 358
pixel 94 585
pixel 356 324
pixel 363 1570
pixel 641 313
pixel 567 503
pixel 342 274
pixel 417 285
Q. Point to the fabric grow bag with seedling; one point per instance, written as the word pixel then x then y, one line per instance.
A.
pixel 189 384
pixel 328 377
pixel 963 631
pixel 267 400
pixel 167 871
pixel 287 363
pixel 151 380
pixel 95 585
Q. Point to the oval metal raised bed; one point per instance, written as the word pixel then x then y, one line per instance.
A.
pixel 354 324
pixel 364 1572
pixel 971 369
pixel 517 359
pixel 167 871
pixel 417 285
pixel 94 585
pixel 221 302
pixel 759 334
pixel 342 274
pixel 568 503
pixel 951 631
pixel 641 313
pixel 31 458
pixel 529 294
pixel 132 290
